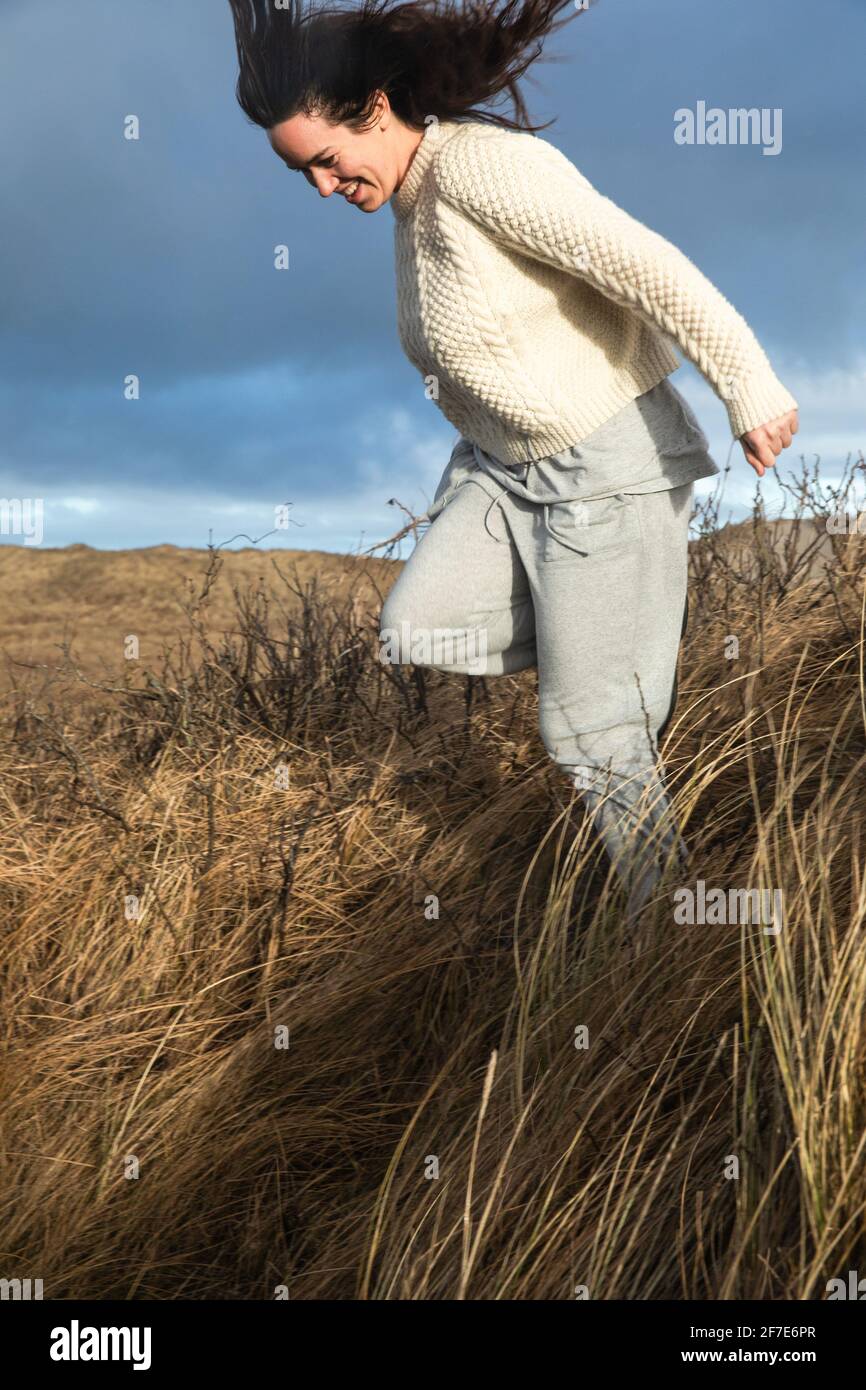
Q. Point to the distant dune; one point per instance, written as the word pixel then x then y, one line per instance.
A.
pixel 94 599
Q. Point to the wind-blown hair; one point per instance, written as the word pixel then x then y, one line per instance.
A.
pixel 433 58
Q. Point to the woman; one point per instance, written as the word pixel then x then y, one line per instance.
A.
pixel 543 318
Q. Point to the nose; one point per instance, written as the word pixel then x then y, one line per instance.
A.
pixel 324 181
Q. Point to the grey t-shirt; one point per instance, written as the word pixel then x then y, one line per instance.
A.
pixel 653 444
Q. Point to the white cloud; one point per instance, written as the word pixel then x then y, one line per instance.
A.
pixel 83 506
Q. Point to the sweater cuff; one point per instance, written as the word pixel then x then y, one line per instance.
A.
pixel 755 401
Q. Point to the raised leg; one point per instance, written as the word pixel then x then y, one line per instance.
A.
pixel 467 584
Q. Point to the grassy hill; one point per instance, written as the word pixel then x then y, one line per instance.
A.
pixel 93 600
pixel 309 979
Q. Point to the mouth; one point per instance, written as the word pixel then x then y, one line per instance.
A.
pixel 353 190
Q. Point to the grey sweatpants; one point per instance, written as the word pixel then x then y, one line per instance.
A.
pixel 593 594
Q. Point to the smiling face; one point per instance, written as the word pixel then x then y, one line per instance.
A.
pixel 364 166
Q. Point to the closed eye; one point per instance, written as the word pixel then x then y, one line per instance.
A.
pixel 325 164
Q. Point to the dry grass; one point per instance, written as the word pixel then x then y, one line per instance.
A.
pixel 89 600
pixel 280 807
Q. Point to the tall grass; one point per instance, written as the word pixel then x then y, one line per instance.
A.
pixel 282 833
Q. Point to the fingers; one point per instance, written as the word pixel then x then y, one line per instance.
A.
pixel 767 447
pixel 780 436
pixel 751 459
pixel 762 446
pixel 790 425
pixel 766 443
pixel 783 430
pixel 758 452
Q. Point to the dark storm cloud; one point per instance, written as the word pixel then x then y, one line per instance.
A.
pixel 155 256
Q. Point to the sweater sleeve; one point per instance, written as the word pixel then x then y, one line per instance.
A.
pixel 529 197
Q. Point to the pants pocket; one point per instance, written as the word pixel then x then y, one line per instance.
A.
pixel 458 469
pixel 603 528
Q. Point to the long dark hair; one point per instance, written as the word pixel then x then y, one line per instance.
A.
pixel 431 58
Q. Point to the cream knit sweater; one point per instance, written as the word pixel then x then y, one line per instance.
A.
pixel 536 308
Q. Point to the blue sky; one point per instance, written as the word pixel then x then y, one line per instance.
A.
pixel 261 387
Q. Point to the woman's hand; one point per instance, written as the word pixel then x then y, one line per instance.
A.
pixel 763 445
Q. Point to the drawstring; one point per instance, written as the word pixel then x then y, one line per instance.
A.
pixel 495 502
pixel 551 530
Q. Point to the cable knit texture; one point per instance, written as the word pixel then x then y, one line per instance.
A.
pixel 536 308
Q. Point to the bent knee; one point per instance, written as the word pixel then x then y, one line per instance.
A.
pixel 400 628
